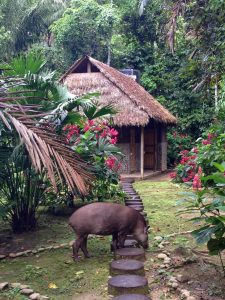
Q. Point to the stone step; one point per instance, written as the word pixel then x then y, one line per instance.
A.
pixel 131 297
pixel 127 266
pixel 130 253
pixel 136 206
pixel 130 198
pixel 130 243
pixel 127 284
pixel 138 202
pixel 133 194
pixel 127 244
pixel 128 186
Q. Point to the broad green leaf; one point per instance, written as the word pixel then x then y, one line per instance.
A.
pixel 216 245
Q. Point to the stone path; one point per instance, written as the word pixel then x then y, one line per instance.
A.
pixel 127 270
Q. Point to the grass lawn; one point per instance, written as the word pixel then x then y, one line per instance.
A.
pixel 89 276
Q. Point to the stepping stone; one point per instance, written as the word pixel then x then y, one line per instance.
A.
pixel 130 243
pixel 131 198
pixel 131 297
pixel 127 284
pixel 130 253
pixel 127 266
pixel 136 206
pixel 138 202
pixel 127 244
pixel 130 193
pixel 127 185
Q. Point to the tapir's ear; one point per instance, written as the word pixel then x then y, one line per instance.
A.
pixel 148 228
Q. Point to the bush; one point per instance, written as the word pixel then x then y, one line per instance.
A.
pixel 204 168
pixel 209 150
pixel 177 142
pixel 95 142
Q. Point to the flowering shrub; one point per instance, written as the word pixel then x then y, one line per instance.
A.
pixel 177 142
pixel 209 148
pixel 186 169
pixel 207 201
pixel 204 168
pixel 95 141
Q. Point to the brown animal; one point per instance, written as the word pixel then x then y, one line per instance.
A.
pixel 107 219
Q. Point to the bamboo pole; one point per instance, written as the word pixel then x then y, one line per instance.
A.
pixel 142 152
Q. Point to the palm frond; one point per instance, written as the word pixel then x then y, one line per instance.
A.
pixel 47 151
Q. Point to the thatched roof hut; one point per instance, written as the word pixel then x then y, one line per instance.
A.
pixel 141 119
pixel 134 104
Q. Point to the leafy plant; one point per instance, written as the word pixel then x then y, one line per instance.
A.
pixel 31 153
pixel 209 203
pixel 95 141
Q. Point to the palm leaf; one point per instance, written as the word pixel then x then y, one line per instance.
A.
pixel 46 150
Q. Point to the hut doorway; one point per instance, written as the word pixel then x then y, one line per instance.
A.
pixel 149 149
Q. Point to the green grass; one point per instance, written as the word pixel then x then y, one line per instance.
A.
pixel 57 266
pixel 160 202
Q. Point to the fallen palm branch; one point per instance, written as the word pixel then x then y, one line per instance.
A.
pixel 46 149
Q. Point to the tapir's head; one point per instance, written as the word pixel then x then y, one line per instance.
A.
pixel 141 232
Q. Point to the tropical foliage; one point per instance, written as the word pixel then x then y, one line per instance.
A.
pixel 203 168
pixel 31 153
pixel 95 141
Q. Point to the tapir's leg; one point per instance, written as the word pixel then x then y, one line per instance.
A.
pixel 84 247
pixel 115 241
pixel 121 239
pixel 76 246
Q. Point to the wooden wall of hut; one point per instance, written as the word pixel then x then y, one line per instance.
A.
pixel 155 147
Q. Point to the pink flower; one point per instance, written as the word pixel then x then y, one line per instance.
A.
pixel 86 128
pixel 91 122
pixel 206 142
pixel 195 150
pixel 98 128
pixel 104 134
pixel 110 162
pixel 113 132
pixel 185 179
pixel 113 141
pixel 173 175
pixel 200 170
pixel 197 182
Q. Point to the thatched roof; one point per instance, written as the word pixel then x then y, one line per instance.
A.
pixel 135 105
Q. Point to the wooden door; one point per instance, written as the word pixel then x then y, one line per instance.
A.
pixel 149 149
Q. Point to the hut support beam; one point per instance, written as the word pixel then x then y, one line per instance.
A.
pixel 142 152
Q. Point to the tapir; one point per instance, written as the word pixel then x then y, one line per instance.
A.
pixel 103 218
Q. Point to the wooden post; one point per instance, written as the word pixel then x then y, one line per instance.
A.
pixel 132 150
pixel 88 67
pixel 142 152
pixel 156 146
